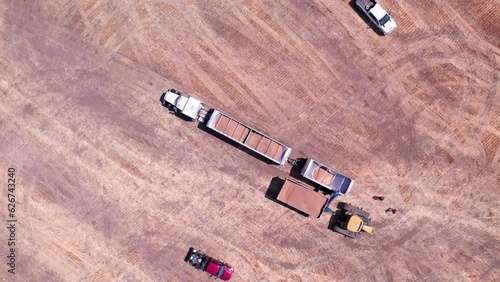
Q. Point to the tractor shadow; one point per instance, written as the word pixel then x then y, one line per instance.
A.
pixel 334 219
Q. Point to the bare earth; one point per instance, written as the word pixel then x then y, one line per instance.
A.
pixel 111 187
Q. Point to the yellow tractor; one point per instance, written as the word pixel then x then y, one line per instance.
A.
pixel 350 221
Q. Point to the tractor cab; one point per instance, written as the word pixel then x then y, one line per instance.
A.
pixel 356 224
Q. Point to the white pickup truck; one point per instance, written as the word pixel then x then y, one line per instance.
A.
pixel 377 15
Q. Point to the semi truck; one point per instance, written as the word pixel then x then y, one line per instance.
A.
pixel 377 15
pixel 326 177
pixel 214 267
pixel 188 106
pixel 302 198
pixel 227 126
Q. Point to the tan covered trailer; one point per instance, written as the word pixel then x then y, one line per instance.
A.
pixel 302 198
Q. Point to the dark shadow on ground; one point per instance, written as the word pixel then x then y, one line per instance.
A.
pixel 365 18
pixel 273 191
pixel 334 219
pixel 223 138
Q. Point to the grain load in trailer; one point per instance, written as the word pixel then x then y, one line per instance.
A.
pixel 249 137
pixel 302 198
pixel 327 177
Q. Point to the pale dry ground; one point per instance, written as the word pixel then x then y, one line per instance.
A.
pixel 113 188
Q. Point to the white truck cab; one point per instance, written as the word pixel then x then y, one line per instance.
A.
pixel 377 15
pixel 188 106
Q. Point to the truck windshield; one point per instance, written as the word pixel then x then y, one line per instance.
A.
pixel 221 271
pixel 385 19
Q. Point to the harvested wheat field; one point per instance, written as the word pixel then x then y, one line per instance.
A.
pixel 109 186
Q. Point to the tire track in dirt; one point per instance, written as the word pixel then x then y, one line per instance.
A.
pixel 490 140
pixel 309 47
pixel 39 96
pixel 296 51
pixel 242 45
pixel 264 63
pixel 65 133
pixel 479 19
pixel 80 57
pixel 54 196
pixel 454 84
pixel 88 205
pixel 178 57
pixel 277 29
pixel 87 18
pixel 66 14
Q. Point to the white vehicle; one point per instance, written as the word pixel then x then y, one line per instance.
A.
pixel 185 105
pixel 377 15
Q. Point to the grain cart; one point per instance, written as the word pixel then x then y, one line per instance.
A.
pixel 326 177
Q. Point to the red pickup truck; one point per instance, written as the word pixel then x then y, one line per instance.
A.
pixel 214 267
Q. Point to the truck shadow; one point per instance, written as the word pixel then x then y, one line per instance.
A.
pixel 272 194
pixel 295 173
pixel 365 18
pixel 235 144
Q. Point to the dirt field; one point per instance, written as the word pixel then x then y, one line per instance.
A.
pixel 111 187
